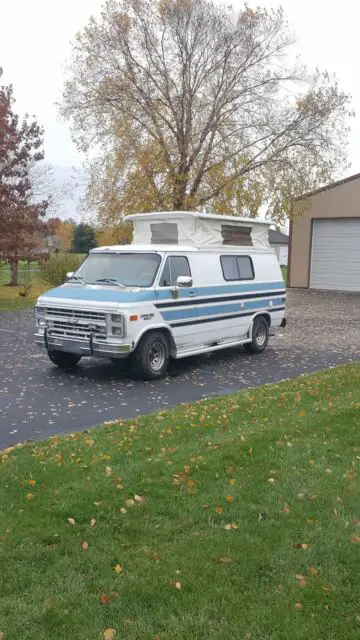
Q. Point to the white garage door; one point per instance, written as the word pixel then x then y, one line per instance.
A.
pixel 335 255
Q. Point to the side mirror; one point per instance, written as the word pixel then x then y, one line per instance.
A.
pixel 184 281
pixel 69 275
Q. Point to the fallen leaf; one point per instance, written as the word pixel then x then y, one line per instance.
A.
pixel 85 546
pixel 297 396
pixel 123 510
pixel 155 556
pixel 190 483
pixel 138 498
pixel 129 503
pixel 313 571
pixel 301 580
pixel 226 560
pixel 299 606
pixel 230 526
pixel 117 568
pixel 187 469
pixel 219 509
pixel 302 413
pixel 32 483
pixel 108 471
pixel 286 508
pixel 303 546
pixel 232 481
pixel 104 599
pixel 71 521
pixel 109 634
pixel 178 585
pixel 30 496
pixel 355 539
pixel 229 499
pixel 92 522
pixel 1 635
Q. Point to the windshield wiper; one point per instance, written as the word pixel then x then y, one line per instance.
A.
pixel 111 281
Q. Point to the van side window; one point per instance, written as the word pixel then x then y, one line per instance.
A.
pixel 237 267
pixel 174 267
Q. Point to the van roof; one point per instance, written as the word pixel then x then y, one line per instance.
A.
pixel 143 248
pixel 178 248
pixel 196 214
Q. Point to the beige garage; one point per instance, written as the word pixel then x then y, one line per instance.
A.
pixel 324 246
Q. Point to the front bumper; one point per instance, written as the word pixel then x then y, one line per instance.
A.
pixel 84 347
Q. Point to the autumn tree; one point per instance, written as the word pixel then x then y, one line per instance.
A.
pixel 21 215
pixel 189 100
pixel 65 231
pixel 120 233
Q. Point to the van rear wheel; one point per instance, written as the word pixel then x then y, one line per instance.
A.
pixel 260 336
pixel 151 358
pixel 63 359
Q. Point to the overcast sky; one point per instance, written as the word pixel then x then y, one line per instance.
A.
pixel 35 40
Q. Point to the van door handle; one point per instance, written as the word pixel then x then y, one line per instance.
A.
pixel 192 293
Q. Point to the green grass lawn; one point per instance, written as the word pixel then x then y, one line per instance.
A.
pixel 235 518
pixel 10 297
pixel 29 274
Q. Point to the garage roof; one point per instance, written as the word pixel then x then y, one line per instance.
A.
pixel 327 186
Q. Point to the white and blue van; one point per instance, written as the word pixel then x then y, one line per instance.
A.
pixel 190 283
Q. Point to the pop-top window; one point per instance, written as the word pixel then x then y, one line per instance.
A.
pixel 164 233
pixel 237 267
pixel 239 236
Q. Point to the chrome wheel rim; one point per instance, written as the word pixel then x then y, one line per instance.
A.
pixel 157 356
pixel 260 335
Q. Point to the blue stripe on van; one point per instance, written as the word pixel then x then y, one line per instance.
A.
pixel 99 294
pixel 223 289
pixel 218 309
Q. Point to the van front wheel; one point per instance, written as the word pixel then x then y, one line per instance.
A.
pixel 152 355
pixel 260 336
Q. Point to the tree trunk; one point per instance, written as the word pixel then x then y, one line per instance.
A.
pixel 14 273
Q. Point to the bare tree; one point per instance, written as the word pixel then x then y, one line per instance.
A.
pixel 212 94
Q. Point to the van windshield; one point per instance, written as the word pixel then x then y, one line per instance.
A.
pixel 127 269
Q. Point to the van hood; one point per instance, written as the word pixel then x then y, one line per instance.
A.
pixel 95 293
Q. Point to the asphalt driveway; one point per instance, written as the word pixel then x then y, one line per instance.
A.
pixel 37 399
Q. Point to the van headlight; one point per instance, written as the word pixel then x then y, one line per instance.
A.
pixel 40 316
pixel 117 325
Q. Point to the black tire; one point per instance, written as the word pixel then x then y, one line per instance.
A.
pixel 63 359
pixel 260 336
pixel 151 357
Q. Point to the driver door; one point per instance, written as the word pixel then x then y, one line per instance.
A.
pixel 177 306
